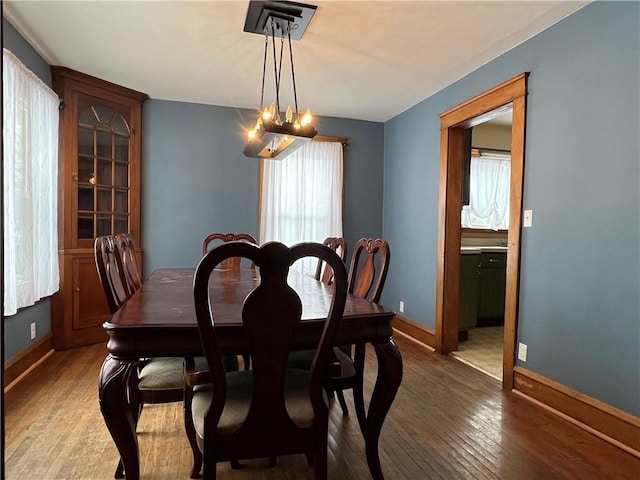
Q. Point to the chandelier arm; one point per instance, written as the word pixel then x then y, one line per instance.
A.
pixel 293 74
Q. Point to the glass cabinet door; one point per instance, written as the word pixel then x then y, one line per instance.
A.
pixel 103 175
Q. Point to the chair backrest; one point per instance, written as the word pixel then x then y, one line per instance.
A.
pixel 130 263
pixel 270 313
pixel 338 245
pixel 366 280
pixel 230 263
pixel 111 272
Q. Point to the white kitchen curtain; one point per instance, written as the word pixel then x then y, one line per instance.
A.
pixel 302 197
pixel 30 169
pixel 489 187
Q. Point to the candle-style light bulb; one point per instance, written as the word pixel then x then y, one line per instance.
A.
pixel 306 118
pixel 272 110
pixel 289 114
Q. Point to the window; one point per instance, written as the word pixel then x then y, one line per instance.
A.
pixel 302 196
pixel 30 176
pixel 489 187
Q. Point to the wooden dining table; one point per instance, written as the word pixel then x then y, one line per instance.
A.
pixel 159 320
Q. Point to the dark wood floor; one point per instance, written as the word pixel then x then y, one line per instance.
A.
pixel 448 422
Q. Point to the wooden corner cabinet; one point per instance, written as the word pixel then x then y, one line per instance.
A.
pixel 99 194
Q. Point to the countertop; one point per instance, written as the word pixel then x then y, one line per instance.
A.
pixel 467 250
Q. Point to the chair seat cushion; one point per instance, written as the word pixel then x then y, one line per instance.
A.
pixel 165 373
pixel 239 389
pixel 301 359
pixel 347 368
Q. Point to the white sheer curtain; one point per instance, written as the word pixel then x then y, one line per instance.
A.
pixel 302 196
pixel 30 149
pixel 489 186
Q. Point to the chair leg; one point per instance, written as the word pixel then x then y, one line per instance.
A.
pixel 236 465
pixel 309 456
pixel 320 456
pixel 209 466
pixel 197 460
pixel 342 402
pixel 191 434
pixel 119 470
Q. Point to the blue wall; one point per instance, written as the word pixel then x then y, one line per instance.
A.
pixel 17 329
pixel 579 308
pixel 196 180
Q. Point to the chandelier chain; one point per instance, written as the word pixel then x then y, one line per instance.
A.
pixel 293 73
pixel 264 68
pixel 275 69
pixel 280 72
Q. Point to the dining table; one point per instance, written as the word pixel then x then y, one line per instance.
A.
pixel 159 320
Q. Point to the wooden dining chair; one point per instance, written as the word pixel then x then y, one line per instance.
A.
pixel 230 264
pixel 216 238
pixel 156 380
pixel 130 264
pixel 270 410
pixel 302 359
pixel 338 245
pixel 111 272
pixel 160 379
pixel 367 275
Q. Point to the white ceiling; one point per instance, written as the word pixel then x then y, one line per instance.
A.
pixel 359 59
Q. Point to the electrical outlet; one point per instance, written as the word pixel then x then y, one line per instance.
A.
pixel 401 306
pixel 528 218
pixel 522 352
pixel 33 330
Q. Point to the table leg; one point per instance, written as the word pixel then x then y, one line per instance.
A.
pixel 358 386
pixel 384 392
pixel 116 411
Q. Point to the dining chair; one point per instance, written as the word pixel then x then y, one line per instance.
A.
pixel 367 275
pixel 270 410
pixel 156 380
pixel 232 263
pixel 302 359
pixel 338 245
pixel 130 264
pixel 214 238
pixel 111 272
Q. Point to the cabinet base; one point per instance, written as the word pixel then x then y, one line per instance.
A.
pixel 463 335
pixel 490 322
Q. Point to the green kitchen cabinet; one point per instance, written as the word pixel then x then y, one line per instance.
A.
pixel 492 282
pixel 469 274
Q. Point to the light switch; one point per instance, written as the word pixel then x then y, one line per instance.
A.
pixel 528 218
pixel 522 352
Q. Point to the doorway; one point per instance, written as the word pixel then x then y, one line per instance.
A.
pixel 490 104
pixel 483 250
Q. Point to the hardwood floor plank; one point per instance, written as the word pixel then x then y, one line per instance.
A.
pixel 448 422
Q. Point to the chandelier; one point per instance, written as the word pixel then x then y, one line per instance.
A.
pixel 276 133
